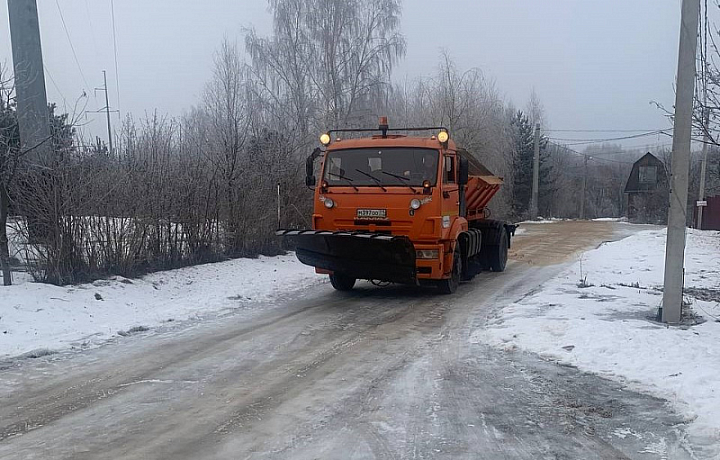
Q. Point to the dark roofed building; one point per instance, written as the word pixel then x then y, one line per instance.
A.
pixel 647 191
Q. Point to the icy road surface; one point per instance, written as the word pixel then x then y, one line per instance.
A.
pixel 376 373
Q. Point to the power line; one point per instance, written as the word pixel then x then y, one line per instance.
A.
pixel 92 29
pixel 67 34
pixel 598 141
pixel 593 156
pixel 602 130
pixel 52 80
pixel 117 78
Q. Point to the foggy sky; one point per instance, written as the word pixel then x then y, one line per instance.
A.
pixel 594 65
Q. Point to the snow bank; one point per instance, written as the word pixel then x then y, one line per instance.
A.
pixel 540 220
pixel 610 219
pixel 598 315
pixel 36 316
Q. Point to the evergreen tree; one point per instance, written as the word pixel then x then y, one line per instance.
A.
pixel 524 139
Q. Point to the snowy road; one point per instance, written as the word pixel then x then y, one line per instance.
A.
pixel 376 373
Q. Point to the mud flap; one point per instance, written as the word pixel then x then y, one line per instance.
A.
pixel 361 255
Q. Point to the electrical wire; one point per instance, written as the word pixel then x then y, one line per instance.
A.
pixel 67 34
pixel 52 80
pixel 716 318
pixel 600 130
pixel 117 78
pixel 609 139
pixel 593 157
pixel 700 140
pixel 92 29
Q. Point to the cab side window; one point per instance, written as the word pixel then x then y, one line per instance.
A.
pixel 449 171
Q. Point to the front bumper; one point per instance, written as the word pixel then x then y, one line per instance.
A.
pixel 361 255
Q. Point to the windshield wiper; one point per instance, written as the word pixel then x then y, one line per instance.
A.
pixel 377 181
pixel 400 178
pixel 344 178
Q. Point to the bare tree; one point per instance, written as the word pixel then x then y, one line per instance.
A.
pixel 536 111
pixel 470 106
pixel 9 155
pixel 226 104
pixel 328 62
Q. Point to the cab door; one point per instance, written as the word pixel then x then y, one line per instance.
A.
pixel 450 194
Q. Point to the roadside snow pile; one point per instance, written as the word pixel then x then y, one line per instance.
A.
pixel 599 316
pixel 610 219
pixel 38 317
pixel 542 220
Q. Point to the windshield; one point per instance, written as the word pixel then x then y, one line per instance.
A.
pixel 394 166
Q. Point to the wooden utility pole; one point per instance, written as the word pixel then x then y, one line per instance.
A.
pixel 536 174
pixel 677 215
pixel 32 109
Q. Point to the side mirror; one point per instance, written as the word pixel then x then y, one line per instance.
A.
pixel 310 168
pixel 464 171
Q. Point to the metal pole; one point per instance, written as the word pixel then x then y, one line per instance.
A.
pixel 701 195
pixel 675 246
pixel 278 205
pixel 584 186
pixel 536 174
pixel 703 164
pixel 107 112
pixel 31 96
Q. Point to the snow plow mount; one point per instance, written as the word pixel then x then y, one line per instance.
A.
pixel 360 255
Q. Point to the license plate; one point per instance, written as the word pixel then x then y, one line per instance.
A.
pixel 372 213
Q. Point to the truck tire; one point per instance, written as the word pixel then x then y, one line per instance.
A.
pixel 498 253
pixel 342 282
pixel 450 285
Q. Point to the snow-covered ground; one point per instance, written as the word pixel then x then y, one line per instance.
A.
pixel 599 316
pixel 39 318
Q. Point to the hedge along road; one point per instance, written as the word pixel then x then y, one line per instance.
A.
pixel 375 373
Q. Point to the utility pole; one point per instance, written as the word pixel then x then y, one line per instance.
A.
pixel 278 205
pixel 677 217
pixel 106 109
pixel 703 168
pixel 536 174
pixel 38 202
pixel 703 164
pixel 584 187
pixel 31 97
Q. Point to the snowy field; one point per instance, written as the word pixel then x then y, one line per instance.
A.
pixel 36 318
pixel 599 314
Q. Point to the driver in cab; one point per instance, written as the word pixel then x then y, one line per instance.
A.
pixel 429 168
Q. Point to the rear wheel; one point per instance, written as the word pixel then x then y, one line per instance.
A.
pixel 499 253
pixel 342 282
pixel 450 285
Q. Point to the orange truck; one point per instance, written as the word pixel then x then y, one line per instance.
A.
pixel 398 208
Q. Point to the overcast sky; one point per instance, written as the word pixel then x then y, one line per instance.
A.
pixel 594 64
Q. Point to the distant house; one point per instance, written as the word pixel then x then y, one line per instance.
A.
pixel 647 191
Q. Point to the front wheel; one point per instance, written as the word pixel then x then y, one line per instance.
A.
pixel 342 282
pixel 451 284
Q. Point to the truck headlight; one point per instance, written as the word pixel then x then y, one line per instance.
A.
pixel 427 253
pixel 329 203
pixel 415 203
